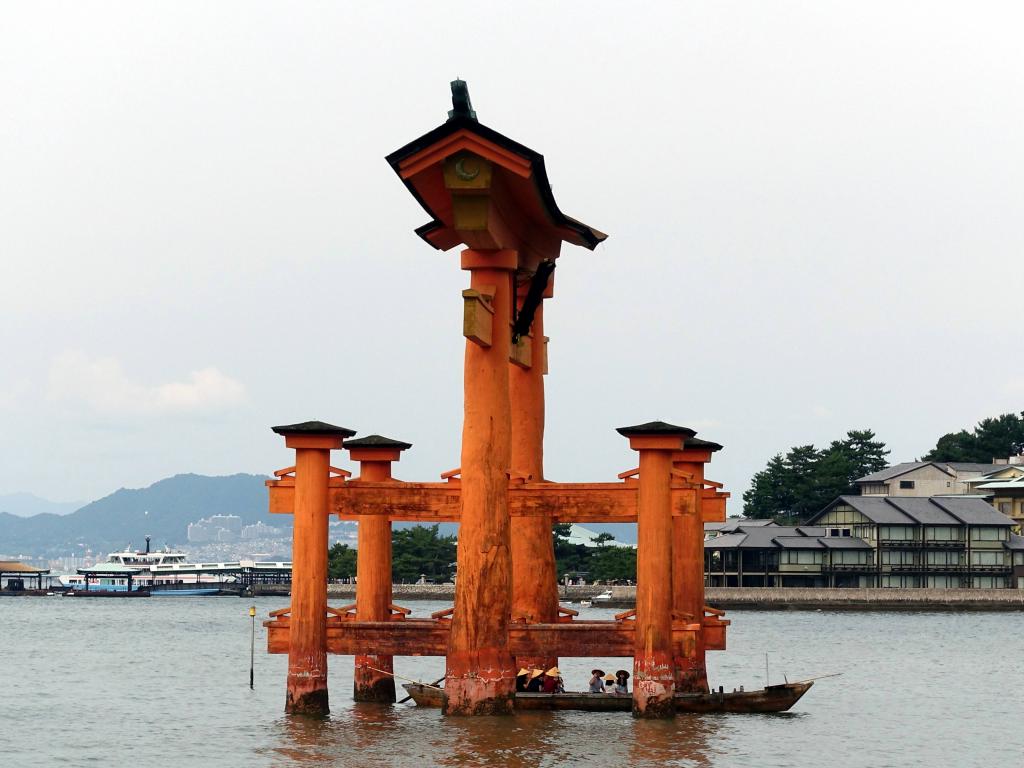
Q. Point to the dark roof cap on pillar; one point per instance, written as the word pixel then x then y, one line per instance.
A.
pixel 696 442
pixel 461 105
pixel 376 441
pixel 313 428
pixel 655 428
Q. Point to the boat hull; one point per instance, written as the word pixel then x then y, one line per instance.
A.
pixel 200 592
pixel 774 698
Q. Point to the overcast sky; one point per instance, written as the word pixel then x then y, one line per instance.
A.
pixel 814 209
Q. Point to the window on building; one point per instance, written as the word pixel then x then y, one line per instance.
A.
pixel 988 558
pixel 1004 507
pixel 940 533
pixel 906 485
pixel 989 533
pixel 896 532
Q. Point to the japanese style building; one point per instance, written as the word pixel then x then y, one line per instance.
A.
pixel 872 541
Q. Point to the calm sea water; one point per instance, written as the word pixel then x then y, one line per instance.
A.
pixel 164 682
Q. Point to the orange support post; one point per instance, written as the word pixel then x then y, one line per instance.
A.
pixel 373 678
pixel 653 663
pixel 480 675
pixel 307 649
pixel 688 564
pixel 534 576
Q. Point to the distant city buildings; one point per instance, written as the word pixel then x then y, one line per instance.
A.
pixel 260 530
pixel 222 528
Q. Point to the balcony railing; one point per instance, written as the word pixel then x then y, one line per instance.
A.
pixel 850 566
pixel 924 567
pixel 900 543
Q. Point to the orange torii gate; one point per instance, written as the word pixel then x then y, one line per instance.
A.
pixel 491 194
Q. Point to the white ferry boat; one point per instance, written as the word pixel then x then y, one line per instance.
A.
pixel 162 572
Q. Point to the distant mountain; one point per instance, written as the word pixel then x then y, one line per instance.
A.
pixel 26 505
pixel 163 511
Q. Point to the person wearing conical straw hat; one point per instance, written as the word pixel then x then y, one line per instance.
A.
pixel 596 681
pixel 522 677
pixel 609 683
pixel 553 681
pixel 536 681
pixel 622 681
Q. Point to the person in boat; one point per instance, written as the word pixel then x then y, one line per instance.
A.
pixel 622 681
pixel 553 681
pixel 522 678
pixel 597 681
pixel 536 681
pixel 609 683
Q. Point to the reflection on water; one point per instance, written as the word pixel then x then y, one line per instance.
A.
pixel 166 682
pixel 683 741
pixel 374 734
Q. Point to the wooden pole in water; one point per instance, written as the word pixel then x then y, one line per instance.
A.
pixel 480 671
pixel 653 662
pixel 373 678
pixel 307 636
pixel 252 648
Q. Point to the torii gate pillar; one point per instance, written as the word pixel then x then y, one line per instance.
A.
pixel 491 194
pixel 313 442
pixel 688 565
pixel 653 662
pixel 373 677
pixel 534 575
pixel 480 675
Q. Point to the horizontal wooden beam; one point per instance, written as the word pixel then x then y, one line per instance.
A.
pixel 429 637
pixel 439 502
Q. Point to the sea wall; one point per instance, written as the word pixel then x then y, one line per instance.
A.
pixel 793 598
pixel 752 598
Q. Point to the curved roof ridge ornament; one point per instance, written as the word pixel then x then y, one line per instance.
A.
pixel 461 105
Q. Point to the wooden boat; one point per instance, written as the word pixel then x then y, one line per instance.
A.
pixel 772 698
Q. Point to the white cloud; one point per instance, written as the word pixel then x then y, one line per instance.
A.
pixel 102 384
pixel 821 411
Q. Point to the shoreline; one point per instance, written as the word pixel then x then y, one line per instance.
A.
pixel 724 598
pixel 758 598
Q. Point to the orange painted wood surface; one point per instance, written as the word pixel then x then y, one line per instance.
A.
pixel 480 671
pixel 688 576
pixel 429 637
pixel 439 502
pixel 307 657
pixel 653 675
pixel 371 678
pixel 534 574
